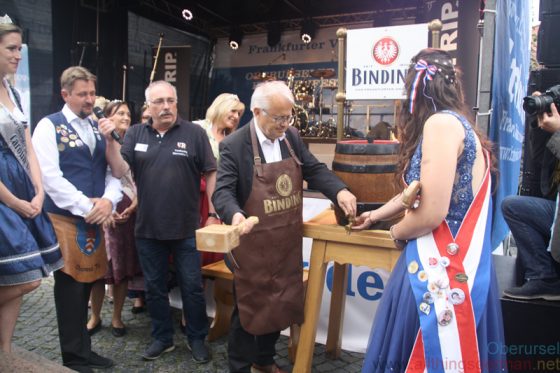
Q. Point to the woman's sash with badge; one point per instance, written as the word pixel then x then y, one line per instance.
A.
pixel 82 246
pixel 450 278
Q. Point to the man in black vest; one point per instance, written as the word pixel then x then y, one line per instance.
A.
pixel 81 195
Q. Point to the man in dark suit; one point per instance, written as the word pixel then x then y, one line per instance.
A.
pixel 261 171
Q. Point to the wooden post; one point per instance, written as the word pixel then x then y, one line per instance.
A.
pixel 435 27
pixel 340 94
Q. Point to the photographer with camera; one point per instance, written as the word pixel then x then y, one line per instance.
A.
pixel 530 219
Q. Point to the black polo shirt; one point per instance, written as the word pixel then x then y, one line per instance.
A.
pixel 167 171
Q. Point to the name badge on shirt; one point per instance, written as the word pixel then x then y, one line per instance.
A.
pixel 141 147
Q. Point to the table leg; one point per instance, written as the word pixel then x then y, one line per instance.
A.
pixel 314 294
pixel 293 342
pixel 336 314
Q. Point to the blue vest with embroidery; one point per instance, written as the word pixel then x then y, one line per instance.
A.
pixel 79 167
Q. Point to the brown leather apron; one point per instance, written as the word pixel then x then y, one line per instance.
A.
pixel 82 246
pixel 268 282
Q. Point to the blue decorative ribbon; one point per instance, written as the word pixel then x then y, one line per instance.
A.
pixel 422 68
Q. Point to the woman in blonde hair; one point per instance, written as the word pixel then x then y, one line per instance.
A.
pixel 222 118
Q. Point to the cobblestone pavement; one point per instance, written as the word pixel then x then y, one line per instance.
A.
pixel 36 331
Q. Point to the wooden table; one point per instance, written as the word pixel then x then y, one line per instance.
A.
pixel 374 249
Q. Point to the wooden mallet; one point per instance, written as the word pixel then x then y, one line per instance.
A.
pixel 220 238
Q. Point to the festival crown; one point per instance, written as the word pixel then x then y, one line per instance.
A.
pixel 5 19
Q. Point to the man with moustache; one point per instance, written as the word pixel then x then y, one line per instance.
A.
pixel 167 156
pixel 261 171
pixel 80 197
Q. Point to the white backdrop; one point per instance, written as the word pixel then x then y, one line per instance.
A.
pixel 378 58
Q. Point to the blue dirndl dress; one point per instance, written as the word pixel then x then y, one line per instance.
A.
pixel 28 247
pixel 397 323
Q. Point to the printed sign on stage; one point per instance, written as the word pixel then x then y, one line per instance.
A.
pixel 377 60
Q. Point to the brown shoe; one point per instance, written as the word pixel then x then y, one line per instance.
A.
pixel 273 368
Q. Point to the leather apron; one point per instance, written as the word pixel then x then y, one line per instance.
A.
pixel 82 246
pixel 268 282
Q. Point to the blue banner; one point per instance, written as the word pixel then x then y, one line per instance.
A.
pixel 509 86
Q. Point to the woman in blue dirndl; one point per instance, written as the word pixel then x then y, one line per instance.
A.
pixel 28 246
pixel 440 310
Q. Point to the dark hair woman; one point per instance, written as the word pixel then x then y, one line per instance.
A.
pixel 119 237
pixel 446 242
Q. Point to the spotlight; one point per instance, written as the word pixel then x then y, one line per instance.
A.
pixel 233 45
pixel 307 31
pixel 235 38
pixel 187 14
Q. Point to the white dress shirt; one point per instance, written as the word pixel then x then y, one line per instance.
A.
pixel 63 193
pixel 271 149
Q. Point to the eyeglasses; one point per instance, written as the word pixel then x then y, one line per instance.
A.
pixel 161 101
pixel 280 119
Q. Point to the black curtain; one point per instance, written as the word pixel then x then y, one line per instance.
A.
pixel 143 37
pixel 75 32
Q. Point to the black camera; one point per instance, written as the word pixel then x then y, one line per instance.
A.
pixel 540 104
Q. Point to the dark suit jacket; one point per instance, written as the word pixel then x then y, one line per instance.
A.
pixel 235 171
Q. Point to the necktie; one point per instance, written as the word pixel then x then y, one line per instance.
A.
pixel 89 137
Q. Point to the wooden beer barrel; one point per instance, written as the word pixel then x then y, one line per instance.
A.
pixel 367 168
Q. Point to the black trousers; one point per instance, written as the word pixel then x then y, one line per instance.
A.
pixel 245 349
pixel 71 301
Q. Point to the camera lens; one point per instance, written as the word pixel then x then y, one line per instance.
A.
pixel 536 104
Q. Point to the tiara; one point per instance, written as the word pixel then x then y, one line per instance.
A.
pixel 5 19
